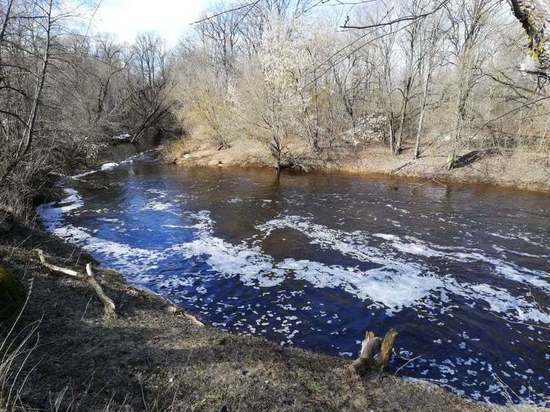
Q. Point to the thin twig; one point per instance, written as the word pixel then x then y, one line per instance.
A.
pixel 406 363
pixel 252 4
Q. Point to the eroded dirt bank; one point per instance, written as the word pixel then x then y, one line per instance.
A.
pixel 150 358
pixel 512 169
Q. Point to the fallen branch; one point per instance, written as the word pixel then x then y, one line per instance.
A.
pixel 406 363
pixel 108 305
pixel 397 169
pixel 375 352
pixel 55 268
pixel 194 320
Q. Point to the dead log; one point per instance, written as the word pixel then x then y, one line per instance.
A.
pixel 375 352
pixel 55 268
pixel 471 157
pixel 369 348
pixel 109 307
pixel 108 304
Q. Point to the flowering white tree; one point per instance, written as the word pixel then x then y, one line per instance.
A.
pixel 269 97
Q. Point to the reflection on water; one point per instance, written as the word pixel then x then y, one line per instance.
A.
pixel 461 273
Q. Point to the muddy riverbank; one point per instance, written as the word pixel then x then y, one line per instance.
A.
pixel 521 170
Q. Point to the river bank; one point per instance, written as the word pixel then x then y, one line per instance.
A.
pixel 524 170
pixel 154 358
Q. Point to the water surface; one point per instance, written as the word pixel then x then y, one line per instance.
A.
pixel 461 272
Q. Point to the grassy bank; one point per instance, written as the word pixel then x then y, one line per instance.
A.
pixel 154 358
pixel 519 169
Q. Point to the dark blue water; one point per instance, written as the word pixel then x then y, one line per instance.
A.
pixel 461 272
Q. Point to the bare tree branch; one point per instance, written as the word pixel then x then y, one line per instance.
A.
pixel 396 21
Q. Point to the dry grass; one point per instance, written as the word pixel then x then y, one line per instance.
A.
pixel 17 343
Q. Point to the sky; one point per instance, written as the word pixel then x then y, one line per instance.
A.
pixel 126 18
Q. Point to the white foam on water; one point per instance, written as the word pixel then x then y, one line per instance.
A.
pixel 108 166
pixel 398 284
pixel 72 201
pixel 130 260
pixel 253 267
pixel 157 205
pixel 500 301
pixel 392 287
pixel 506 269
pixel 348 243
pixel 413 248
pixel 52 213
pixel 108 220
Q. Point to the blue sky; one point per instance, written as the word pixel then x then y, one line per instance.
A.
pixel 126 18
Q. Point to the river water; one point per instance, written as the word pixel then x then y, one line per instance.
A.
pixel 462 273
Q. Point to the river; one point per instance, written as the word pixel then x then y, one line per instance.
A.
pixel 462 272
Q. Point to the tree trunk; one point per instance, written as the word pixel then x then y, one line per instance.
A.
pixel 6 20
pixel 406 95
pixel 26 142
pixel 375 352
pixel 421 117
pixel 534 15
pixel 391 132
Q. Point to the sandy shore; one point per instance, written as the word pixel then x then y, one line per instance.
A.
pixel 518 170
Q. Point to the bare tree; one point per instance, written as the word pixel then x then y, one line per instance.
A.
pixel 410 48
pixel 45 20
pixel 430 41
pixel 149 82
pixel 468 20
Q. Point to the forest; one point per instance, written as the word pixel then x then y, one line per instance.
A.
pixel 314 83
pixel 305 82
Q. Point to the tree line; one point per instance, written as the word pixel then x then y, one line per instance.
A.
pixel 309 79
pixel 315 78
pixel 65 95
